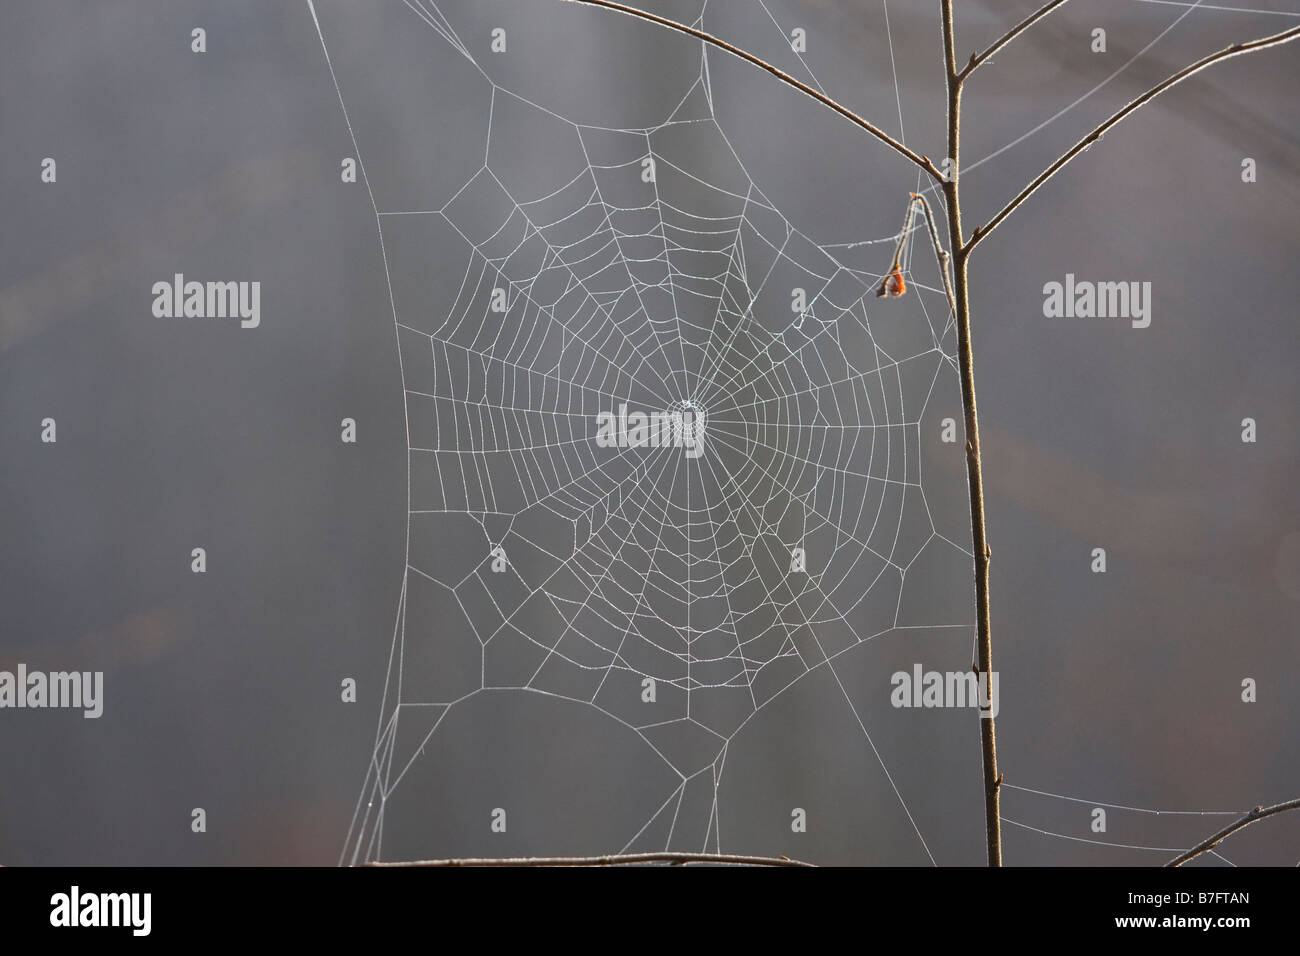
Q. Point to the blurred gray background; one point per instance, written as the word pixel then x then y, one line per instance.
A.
pixel 222 689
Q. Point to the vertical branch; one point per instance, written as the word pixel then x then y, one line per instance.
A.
pixel 975 481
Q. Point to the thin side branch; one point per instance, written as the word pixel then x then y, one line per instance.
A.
pixel 893 281
pixel 940 253
pixel 978 58
pixel 1259 813
pixel 1227 53
pixel 916 158
pixel 615 859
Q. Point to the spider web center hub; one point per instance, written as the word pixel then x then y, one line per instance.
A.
pixel 688 419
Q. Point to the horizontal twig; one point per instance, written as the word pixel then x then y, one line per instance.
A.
pixel 614 859
pixel 1254 816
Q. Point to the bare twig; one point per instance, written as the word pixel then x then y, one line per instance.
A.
pixel 978 58
pixel 939 251
pixel 1254 816
pixel 974 474
pixel 614 859
pixel 893 284
pixel 1227 53
pixel 917 158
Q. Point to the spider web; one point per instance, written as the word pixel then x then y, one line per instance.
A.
pixel 671 595
pixel 674 591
